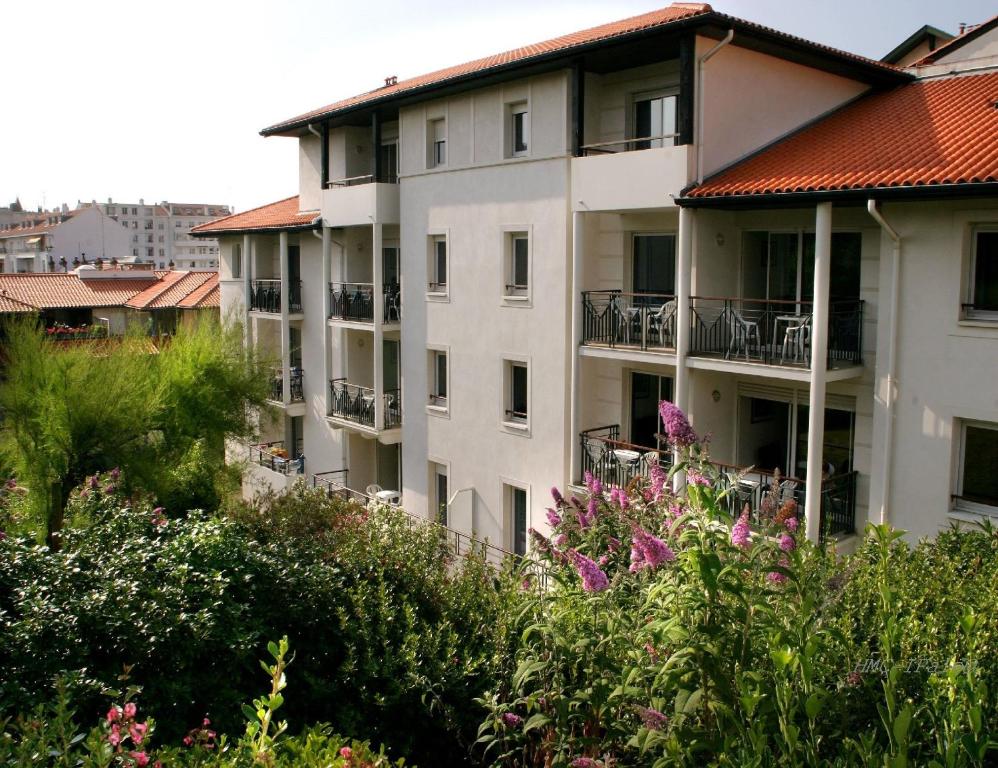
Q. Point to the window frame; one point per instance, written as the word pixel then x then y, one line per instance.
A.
pixel 970 312
pixel 512 293
pixel 961 504
pixel 668 91
pixel 435 466
pixel 436 404
pixel 509 488
pixel 436 148
pixel 512 420
pixel 435 288
pixel 236 261
pixel 515 109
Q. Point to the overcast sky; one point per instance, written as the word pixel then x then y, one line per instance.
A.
pixel 164 101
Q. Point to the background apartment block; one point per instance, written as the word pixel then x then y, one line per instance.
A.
pixel 161 233
pixel 492 274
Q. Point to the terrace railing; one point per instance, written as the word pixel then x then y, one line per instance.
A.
pixel 644 321
pixel 615 462
pixel 265 296
pixel 773 332
pixel 297 379
pixel 275 457
pixel 351 402
pixel 355 301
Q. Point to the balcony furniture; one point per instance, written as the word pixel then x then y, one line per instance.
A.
pixel 796 336
pixel 742 334
pixel 388 497
pixel 661 324
pixel 627 457
pixel 373 490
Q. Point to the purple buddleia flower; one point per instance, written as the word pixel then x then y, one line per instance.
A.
pixel 652 719
pixel 115 473
pixel 554 519
pixel 618 496
pixel 560 540
pixel 593 508
pixel 614 544
pixel 558 498
pixel 584 520
pixel 678 430
pixel 778 577
pixel 593 579
pixel 593 484
pixel 787 543
pixel 740 530
pixel 657 481
pixel 648 551
pixel 585 762
pixel 510 720
pixel 694 477
pixel 791 524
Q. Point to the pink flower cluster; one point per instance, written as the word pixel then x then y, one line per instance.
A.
pixel 740 532
pixel 511 720
pixel 652 719
pixel 122 726
pixel 593 579
pixel 677 428
pixel 648 551
pixel 585 762
pixel 201 737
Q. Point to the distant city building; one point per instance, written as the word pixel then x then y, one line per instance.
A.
pixel 57 241
pixel 161 233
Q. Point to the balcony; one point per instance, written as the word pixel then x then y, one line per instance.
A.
pixel 622 176
pixel 635 321
pixel 265 296
pixel 274 456
pixel 618 463
pixel 296 379
pixel 360 200
pixel 774 332
pixel 354 302
pixel 356 404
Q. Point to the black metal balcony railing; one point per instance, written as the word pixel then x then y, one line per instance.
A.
pixel 617 463
pixel 356 403
pixel 393 408
pixel 265 296
pixel 637 320
pixel 297 386
pixel 275 457
pixel 355 301
pixel 773 332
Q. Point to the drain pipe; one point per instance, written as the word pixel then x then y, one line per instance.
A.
pixel 885 481
pixel 700 62
pixel 314 132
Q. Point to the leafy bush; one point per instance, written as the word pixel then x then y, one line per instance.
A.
pixel 678 634
pixel 393 639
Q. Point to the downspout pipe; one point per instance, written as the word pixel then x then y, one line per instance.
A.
pixel 892 330
pixel 314 132
pixel 700 90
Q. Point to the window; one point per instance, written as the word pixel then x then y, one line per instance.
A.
pixel 977 482
pixel 135 225
pixel 161 252
pixel 518 129
pixel 654 120
pixel 437 270
pixel 515 383
pixel 237 261
pixel 653 268
pixel 517 267
pixel 438 378
pixel 984 275
pixel 135 211
pixel 436 132
pixel 438 476
pixel 516 518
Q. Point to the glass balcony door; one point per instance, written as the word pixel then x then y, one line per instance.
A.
pixel 647 391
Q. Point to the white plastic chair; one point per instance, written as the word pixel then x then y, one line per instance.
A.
pixel 373 490
pixel 742 333
pixel 796 339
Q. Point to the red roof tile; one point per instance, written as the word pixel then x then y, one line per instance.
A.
pixel 283 214
pixel 673 13
pixel 925 133
pixel 10 305
pixel 57 290
pixel 207 295
pixel 170 290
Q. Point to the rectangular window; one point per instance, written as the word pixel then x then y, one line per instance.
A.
pixel 517 129
pixel 516 403
pixel 438 378
pixel 438 265
pixel 517 269
pixel 654 120
pixel 984 275
pixel 977 481
pixel 436 132
pixel 237 260
pixel 438 473
pixel 516 515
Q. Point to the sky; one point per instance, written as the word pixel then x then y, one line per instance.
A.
pixel 164 101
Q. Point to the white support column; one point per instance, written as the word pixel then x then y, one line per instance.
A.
pixel 327 252
pixel 247 265
pixel 575 299
pixel 819 354
pixel 379 333
pixel 684 287
pixel 285 322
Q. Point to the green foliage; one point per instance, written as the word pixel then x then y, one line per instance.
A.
pixel 393 640
pixel 724 649
pixel 76 410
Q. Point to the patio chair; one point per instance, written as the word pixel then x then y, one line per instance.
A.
pixel 743 332
pixel 796 340
pixel 661 324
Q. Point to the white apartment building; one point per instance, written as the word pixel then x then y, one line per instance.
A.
pixel 492 274
pixel 57 241
pixel 160 233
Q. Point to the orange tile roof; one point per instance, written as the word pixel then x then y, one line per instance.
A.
pixel 929 132
pixel 676 12
pixel 205 296
pixel 57 290
pixel 33 229
pixel 10 305
pixel 170 290
pixel 283 214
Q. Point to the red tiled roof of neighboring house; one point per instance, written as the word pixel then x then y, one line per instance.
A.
pixel 205 296
pixel 170 290
pixel 925 133
pixel 10 305
pixel 58 290
pixel 38 226
pixel 958 42
pixel 663 16
pixel 283 214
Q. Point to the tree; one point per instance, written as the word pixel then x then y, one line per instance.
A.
pixel 75 410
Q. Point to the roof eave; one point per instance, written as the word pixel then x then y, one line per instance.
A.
pixel 315 224
pixel 809 197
